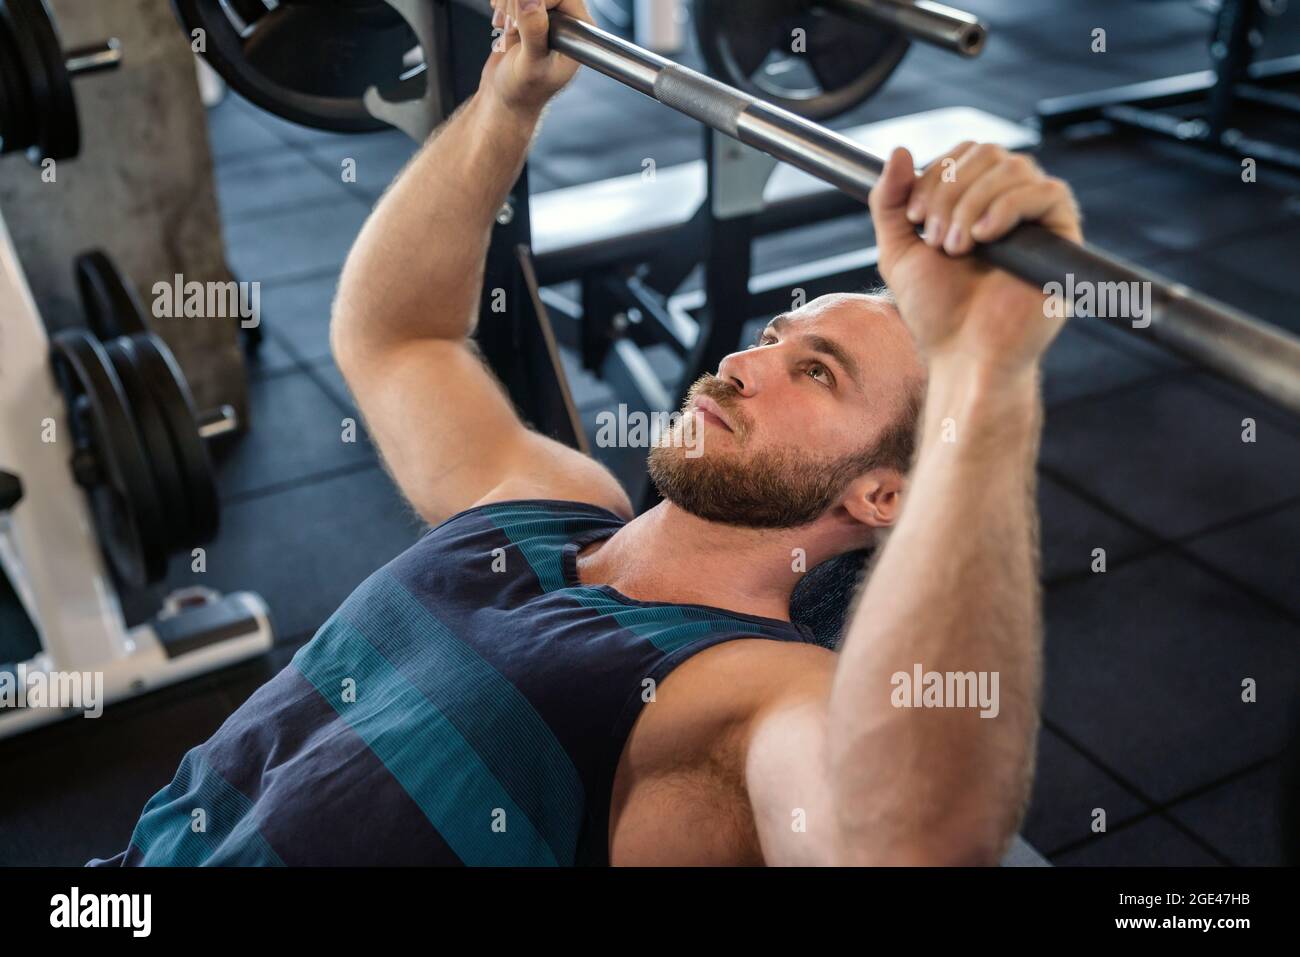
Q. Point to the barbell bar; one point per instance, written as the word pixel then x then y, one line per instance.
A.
pixel 1211 334
pixel 924 20
pixel 93 57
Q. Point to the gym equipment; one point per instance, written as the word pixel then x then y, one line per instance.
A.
pixel 158 204
pixel 515 345
pixel 98 485
pixel 110 461
pixel 140 450
pixel 37 110
pixel 367 81
pixel 749 45
pixel 1215 96
pixel 110 305
pixel 1211 334
pixel 257 48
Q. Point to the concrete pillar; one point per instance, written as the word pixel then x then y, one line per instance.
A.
pixel 141 189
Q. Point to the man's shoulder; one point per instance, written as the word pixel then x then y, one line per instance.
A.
pixel 554 472
pixel 728 685
pixel 682 795
pixel 761 674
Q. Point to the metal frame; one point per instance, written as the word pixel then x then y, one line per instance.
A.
pixel 1234 77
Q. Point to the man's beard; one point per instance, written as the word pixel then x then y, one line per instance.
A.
pixel 777 488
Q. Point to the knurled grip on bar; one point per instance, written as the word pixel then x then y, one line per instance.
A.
pixel 703 98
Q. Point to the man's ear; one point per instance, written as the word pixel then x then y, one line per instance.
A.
pixel 875 498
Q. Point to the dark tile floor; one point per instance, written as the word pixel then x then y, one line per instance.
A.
pixel 1145 724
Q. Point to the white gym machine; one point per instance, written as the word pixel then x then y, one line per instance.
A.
pixel 51 554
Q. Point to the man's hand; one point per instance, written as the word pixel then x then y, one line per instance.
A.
pixel 957 307
pixel 523 72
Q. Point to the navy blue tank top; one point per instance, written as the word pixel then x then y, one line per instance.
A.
pixel 468 704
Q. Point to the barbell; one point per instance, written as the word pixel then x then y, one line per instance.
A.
pixel 1211 334
pixel 791 52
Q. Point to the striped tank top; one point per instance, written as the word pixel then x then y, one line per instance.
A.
pixel 468 704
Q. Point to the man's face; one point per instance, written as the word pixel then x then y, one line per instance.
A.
pixel 785 425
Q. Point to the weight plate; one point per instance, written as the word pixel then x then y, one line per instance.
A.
pixel 110 459
pixel 17 115
pixel 308 61
pixel 158 369
pixel 838 62
pixel 108 301
pixel 57 133
pixel 148 420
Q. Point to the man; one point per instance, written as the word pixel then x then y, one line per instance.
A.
pixel 546 678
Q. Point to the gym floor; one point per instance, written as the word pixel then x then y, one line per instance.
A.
pixel 1142 456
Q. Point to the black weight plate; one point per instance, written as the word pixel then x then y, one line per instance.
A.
pixel 353 58
pixel 846 59
pixel 307 61
pixel 57 132
pixel 7 126
pixel 17 115
pixel 19 119
pixel 148 419
pixel 123 498
pixel 159 370
pixel 108 301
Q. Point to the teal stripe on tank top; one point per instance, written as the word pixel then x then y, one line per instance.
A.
pixel 510 737
pixel 165 835
pixel 442 772
pixel 667 627
pixel 540 536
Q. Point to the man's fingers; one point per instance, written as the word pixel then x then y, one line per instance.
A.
pixel 1005 175
pixel 573 8
pixel 533 23
pixel 943 192
pixel 888 203
pixel 933 174
pixel 1046 201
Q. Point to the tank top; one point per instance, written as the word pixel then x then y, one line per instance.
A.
pixel 468 704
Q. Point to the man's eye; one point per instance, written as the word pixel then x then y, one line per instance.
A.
pixel 766 339
pixel 819 372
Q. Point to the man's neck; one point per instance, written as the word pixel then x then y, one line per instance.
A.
pixel 667 554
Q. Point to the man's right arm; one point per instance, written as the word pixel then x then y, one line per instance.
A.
pixel 409 297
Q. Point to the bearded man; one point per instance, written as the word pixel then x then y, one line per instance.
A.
pixel 548 678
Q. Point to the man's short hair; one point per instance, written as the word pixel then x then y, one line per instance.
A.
pixel 897 445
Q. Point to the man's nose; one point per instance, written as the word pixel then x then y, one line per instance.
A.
pixel 741 370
